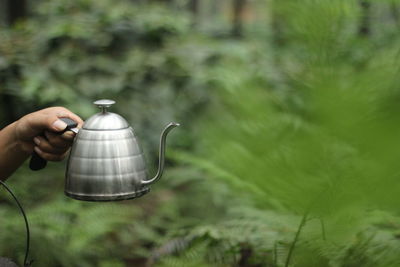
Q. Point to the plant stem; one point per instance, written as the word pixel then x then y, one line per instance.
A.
pixel 292 246
pixel 275 254
pixel 323 229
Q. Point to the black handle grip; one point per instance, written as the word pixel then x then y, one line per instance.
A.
pixel 37 163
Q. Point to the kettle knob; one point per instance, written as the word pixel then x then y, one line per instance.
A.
pixel 103 104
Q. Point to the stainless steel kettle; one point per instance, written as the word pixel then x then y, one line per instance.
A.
pixel 106 162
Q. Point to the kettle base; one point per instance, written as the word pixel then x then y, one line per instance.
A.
pixel 105 198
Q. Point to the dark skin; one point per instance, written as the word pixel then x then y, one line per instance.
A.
pixel 19 139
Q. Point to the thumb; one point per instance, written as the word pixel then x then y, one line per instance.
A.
pixel 51 122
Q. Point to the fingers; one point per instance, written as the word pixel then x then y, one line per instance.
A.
pixel 48 119
pixel 60 140
pixel 40 121
pixel 34 124
pixel 50 156
pixel 51 146
pixel 62 112
pixel 68 136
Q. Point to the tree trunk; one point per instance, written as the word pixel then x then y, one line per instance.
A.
pixel 194 8
pixel 365 27
pixel 237 27
pixel 16 10
pixel 215 7
pixel 394 9
pixel 276 26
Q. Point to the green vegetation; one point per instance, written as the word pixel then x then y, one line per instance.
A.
pixel 288 154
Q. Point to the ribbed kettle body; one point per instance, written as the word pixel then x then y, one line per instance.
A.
pixel 106 165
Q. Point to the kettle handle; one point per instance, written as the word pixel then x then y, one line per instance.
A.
pixel 37 163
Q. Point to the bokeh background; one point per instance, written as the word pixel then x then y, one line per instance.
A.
pixel 288 153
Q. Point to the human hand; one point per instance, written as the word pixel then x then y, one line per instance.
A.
pixel 37 132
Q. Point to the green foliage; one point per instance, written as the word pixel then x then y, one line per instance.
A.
pixel 328 150
pixel 298 138
pixel 71 53
pixel 66 232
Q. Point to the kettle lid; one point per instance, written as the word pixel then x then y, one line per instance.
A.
pixel 105 120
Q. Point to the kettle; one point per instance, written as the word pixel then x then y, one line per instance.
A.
pixel 106 162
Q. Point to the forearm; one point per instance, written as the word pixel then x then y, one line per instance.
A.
pixel 12 152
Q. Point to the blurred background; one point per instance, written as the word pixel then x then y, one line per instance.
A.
pixel 288 154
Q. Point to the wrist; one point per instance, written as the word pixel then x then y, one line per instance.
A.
pixel 13 152
pixel 18 143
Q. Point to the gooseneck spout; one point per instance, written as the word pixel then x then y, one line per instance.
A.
pixel 161 155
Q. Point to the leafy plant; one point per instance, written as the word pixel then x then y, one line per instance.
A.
pixel 72 53
pixel 323 146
